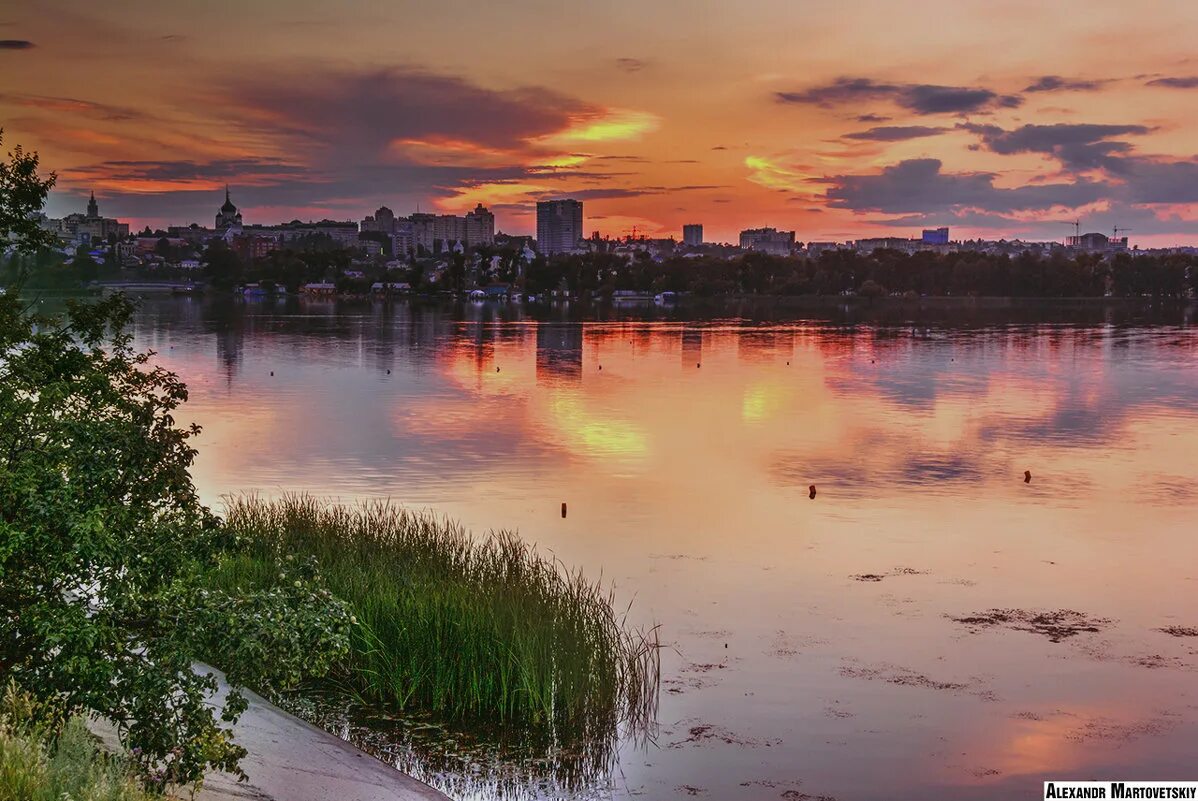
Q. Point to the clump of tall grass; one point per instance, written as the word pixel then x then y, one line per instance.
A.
pixel 42 762
pixel 483 628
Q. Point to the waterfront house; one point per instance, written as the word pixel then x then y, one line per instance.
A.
pixel 318 289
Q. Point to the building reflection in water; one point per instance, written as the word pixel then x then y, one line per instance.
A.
pixel 559 353
pixel 692 346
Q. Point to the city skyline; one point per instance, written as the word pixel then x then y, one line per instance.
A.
pixel 1011 122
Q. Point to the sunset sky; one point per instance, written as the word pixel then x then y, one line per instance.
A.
pixel 835 119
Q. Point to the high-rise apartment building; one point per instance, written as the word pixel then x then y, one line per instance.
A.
pixel 480 227
pixel 559 225
pixel 692 234
pixel 436 233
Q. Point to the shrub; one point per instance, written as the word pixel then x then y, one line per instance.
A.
pixel 39 762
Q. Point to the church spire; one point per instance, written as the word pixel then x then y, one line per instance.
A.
pixel 93 210
pixel 227 215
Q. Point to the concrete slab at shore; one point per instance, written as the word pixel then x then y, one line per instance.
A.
pixel 292 760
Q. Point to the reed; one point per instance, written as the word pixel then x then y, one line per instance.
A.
pixel 467 627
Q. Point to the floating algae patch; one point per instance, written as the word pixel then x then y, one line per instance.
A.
pixel 692 677
pixel 1055 625
pixel 898 571
pixel 1180 631
pixel 1106 730
pixel 900 676
pixel 700 733
pixel 905 677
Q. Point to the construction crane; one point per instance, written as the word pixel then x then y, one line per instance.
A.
pixel 1077 229
pixel 1116 231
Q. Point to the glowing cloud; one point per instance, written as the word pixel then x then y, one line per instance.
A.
pixel 615 125
pixel 774 176
pixel 491 194
pixel 566 160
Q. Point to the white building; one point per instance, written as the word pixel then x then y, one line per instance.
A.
pixel 768 240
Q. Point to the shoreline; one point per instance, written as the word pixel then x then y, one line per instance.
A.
pixel 682 304
pixel 289 759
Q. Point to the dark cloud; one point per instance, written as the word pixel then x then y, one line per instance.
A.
pixel 1186 82
pixel 625 192
pixel 895 133
pixel 867 118
pixel 1077 146
pixel 631 64
pixel 919 98
pixel 1155 180
pixel 16 44
pixel 613 193
pixel 245 169
pixel 1055 83
pixel 954 100
pixel 513 208
pixel 560 174
pixel 1143 179
pixel 356 116
pixel 919 186
pixel 842 90
pixel 71 105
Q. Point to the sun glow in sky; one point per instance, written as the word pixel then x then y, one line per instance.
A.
pixel 836 119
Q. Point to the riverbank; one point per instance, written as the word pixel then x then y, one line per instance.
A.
pixel 289 759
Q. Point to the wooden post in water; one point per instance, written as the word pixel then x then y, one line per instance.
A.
pixel 563 509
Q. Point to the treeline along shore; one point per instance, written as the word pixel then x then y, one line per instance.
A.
pixel 504 272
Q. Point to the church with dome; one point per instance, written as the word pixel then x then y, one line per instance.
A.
pixel 228 217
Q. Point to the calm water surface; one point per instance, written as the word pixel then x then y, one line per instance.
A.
pixel 814 651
